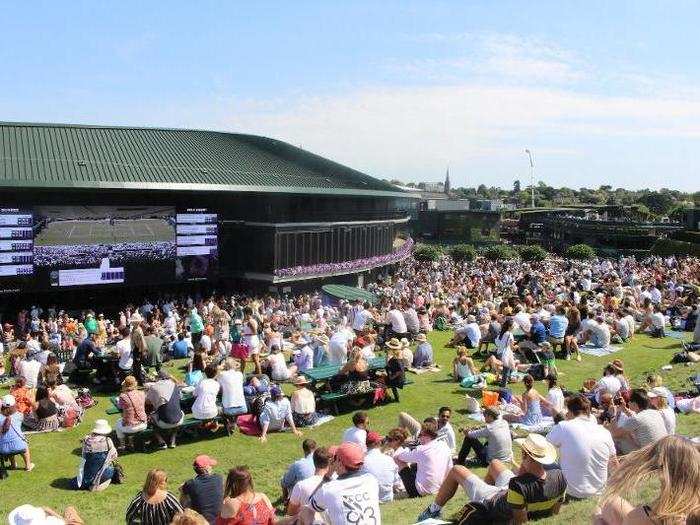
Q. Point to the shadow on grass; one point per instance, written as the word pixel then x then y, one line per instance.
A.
pixel 62 483
pixel 78 451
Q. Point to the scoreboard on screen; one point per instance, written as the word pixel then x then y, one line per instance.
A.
pixel 16 243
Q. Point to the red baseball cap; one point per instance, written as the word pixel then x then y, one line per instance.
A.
pixel 373 438
pixel 204 461
pixel 350 455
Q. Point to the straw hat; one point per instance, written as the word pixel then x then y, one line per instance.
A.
pixel 102 427
pixel 539 449
pixel 405 343
pixel 31 515
pixel 129 383
pixel 421 338
pixel 135 318
pixel 300 381
pixel 394 344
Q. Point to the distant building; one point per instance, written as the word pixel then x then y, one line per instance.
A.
pixel 434 187
pixel 447 181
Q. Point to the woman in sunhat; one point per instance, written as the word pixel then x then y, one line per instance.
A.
pixel 395 367
pixel 303 403
pixel 98 455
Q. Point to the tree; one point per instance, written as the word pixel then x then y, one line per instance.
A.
pixel 462 252
pixel 579 252
pixel 500 252
pixel 427 252
pixel 516 187
pixel 482 190
pixel 532 253
pixel 658 202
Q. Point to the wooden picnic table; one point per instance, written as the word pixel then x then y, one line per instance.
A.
pixel 186 401
pixel 324 373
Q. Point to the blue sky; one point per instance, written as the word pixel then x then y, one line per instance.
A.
pixel 602 92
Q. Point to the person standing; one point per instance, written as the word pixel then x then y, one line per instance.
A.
pixel 139 348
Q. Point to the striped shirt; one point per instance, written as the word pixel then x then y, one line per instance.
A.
pixel 144 513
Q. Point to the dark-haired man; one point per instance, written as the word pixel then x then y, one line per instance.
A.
pixel 638 425
pixel 423 468
pixel 586 450
pixel 299 470
pixel 498 445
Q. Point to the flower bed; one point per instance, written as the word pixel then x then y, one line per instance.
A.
pixel 355 265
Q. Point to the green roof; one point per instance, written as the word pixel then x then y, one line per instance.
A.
pixel 349 293
pixel 60 156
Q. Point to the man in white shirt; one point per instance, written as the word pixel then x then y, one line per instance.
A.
pixel 658 322
pixel 586 450
pixel 397 322
pixel 361 316
pixel 205 342
pixel 338 348
pixel 351 498
pixel 357 433
pixel 609 383
pixel 468 334
pixel 643 424
pixel 302 491
pixel 382 467
pixel 522 319
pixel 423 469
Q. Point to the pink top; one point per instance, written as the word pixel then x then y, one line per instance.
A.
pixel 133 407
pixel 434 460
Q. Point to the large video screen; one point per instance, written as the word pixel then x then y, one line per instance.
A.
pixel 73 246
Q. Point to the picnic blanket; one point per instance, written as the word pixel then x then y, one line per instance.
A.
pixel 544 426
pixel 322 420
pixel 679 334
pixel 420 371
pixel 598 351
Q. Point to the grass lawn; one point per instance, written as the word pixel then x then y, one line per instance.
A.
pixel 57 455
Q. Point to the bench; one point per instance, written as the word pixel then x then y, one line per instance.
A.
pixel 188 427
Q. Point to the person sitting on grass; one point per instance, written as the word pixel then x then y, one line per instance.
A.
pixel 357 433
pixel 463 366
pixel 555 396
pixel 205 491
pixel 153 505
pixel 423 356
pixel 641 425
pixel 548 358
pixel 303 403
pixel 383 468
pixel 302 491
pixel 423 468
pixel 530 403
pixel 300 469
pixel 675 462
pixel 12 440
pixel 31 515
pixel 205 407
pixel 276 415
pixel 536 491
pixel 98 455
pixel 242 505
pixel 498 444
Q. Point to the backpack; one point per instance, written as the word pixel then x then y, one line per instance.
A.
pixel 441 323
pixel 680 357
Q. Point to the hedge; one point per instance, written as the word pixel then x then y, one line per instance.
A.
pixel 672 247
pixel 579 251
pixel 462 252
pixel 500 252
pixel 427 252
pixel 532 253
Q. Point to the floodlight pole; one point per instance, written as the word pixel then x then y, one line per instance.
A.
pixel 532 178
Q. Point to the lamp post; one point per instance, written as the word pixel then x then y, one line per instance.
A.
pixel 532 178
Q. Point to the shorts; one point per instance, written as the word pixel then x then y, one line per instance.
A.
pixel 165 426
pixel 235 411
pixel 479 491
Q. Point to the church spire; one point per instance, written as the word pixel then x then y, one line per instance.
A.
pixel 447 180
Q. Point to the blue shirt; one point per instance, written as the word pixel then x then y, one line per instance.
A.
pixel 538 333
pixel 299 470
pixel 423 355
pixel 12 440
pixel 557 326
pixel 180 349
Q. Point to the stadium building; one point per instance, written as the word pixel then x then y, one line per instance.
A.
pixel 84 206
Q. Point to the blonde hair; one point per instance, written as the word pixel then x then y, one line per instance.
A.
pixel 232 364
pixel 675 461
pixel 156 479
pixel 655 380
pixel 189 517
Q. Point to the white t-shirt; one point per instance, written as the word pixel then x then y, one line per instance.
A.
pixel 669 420
pixel 398 323
pixel 584 451
pixel 361 319
pixel 338 348
pixel 29 370
pixel 231 382
pixel 125 358
pixel 610 384
pixel 204 406
pixel 352 499
pixel 385 470
pixel 503 342
pixel 523 321
pixel 302 492
pixel 356 435
pixel 205 341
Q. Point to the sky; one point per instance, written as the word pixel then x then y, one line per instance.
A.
pixel 601 92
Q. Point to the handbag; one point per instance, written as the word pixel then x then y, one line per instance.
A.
pixel 472 514
pixel 119 474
